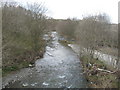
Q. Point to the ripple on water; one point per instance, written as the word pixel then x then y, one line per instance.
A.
pixel 45 84
pixel 61 76
pixel 25 84
pixel 33 84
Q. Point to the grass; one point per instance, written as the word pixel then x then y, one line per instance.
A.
pixel 9 69
pixel 98 79
pixel 19 55
pixel 65 42
pixel 12 68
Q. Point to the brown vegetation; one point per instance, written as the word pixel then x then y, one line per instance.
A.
pixel 98 74
pixel 94 33
pixel 22 31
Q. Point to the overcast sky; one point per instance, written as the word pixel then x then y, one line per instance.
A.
pixel 62 9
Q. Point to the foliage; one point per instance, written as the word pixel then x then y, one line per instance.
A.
pixel 22 32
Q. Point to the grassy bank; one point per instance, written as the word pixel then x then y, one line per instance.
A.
pixel 98 78
pixel 65 42
pixel 16 57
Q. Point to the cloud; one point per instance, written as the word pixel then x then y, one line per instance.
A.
pixel 77 8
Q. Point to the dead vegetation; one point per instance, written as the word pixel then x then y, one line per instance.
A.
pixel 22 35
pixel 98 74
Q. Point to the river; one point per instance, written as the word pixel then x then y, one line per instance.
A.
pixel 59 68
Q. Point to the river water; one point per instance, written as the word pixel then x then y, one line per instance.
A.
pixel 59 68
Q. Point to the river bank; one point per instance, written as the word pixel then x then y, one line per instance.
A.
pixel 24 60
pixel 98 73
pixel 16 71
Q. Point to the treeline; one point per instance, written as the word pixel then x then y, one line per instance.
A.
pixel 67 28
pixel 22 32
pixel 92 32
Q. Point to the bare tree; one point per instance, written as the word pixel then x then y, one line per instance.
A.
pixel 22 32
pixel 67 28
pixel 37 19
pixel 91 31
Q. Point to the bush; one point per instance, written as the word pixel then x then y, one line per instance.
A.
pixel 22 32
